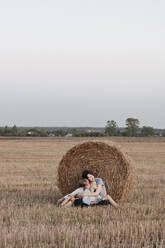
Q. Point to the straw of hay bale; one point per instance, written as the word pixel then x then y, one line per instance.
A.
pixel 105 160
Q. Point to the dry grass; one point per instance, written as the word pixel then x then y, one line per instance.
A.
pixel 28 189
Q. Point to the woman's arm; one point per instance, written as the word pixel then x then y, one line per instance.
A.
pixel 93 187
pixel 96 193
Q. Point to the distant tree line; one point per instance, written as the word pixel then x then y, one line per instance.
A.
pixel 15 131
pixel 131 129
pixel 31 132
pixel 87 134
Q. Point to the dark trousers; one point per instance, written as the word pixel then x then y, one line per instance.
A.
pixel 79 203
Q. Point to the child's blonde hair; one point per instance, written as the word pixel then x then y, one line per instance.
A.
pixel 83 182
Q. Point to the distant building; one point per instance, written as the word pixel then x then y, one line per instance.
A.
pixel 30 133
pixel 51 134
pixel 159 132
pixel 68 135
pixel 89 131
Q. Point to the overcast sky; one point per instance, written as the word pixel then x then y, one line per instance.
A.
pixel 81 63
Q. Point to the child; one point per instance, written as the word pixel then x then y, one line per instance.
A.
pixel 72 198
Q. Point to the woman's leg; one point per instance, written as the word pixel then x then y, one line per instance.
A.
pixel 109 198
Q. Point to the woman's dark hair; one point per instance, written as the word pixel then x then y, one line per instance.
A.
pixel 85 173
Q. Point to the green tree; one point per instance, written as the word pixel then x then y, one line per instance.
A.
pixel 60 132
pixel 6 131
pixel 1 131
pixel 14 131
pixel 111 128
pixel 132 126
pixel 147 131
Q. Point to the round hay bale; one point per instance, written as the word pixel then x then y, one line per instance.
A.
pixel 105 160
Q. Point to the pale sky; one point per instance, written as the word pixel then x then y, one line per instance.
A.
pixel 81 63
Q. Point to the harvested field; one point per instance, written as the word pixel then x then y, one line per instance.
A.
pixel 28 189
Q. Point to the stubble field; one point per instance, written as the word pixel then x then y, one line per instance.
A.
pixel 28 191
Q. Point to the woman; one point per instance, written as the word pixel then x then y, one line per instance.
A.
pixel 100 190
